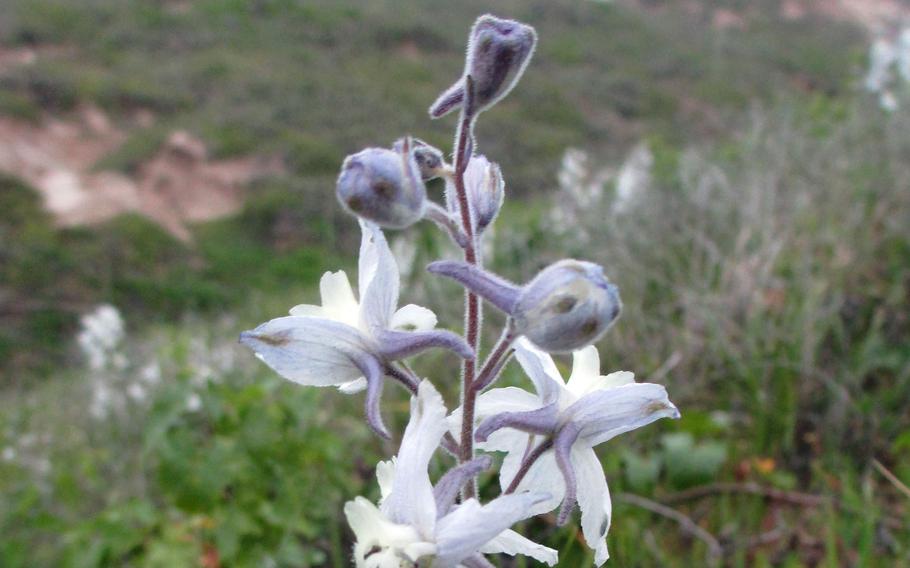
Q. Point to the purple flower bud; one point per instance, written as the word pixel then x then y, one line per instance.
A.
pixel 383 186
pixel 430 160
pixel 568 305
pixel 498 52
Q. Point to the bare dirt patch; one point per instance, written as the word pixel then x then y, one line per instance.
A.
pixel 180 184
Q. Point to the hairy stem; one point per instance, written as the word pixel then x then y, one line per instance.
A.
pixel 529 461
pixel 472 302
pixel 496 360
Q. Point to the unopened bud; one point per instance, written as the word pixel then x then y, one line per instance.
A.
pixel 568 305
pixel 498 52
pixel 486 190
pixel 383 186
pixel 430 160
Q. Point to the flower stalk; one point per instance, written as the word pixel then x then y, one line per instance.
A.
pixel 354 341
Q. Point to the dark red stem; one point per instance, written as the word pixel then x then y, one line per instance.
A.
pixel 527 463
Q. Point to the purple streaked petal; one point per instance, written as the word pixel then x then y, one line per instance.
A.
pixel 562 449
pixel 395 345
pixel 308 350
pixel 541 421
pixel 450 484
pixel 604 414
pixel 492 288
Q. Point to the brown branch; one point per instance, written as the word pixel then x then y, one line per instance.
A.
pixel 897 483
pixel 749 488
pixel 688 526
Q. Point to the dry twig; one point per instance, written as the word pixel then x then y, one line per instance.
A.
pixel 715 552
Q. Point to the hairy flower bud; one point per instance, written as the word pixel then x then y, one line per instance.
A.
pixel 498 52
pixel 430 160
pixel 486 190
pixel 568 305
pixel 383 186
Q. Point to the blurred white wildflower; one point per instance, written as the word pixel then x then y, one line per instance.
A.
pixel 9 454
pixel 889 68
pixel 100 335
pixel 634 177
pixel 150 374
pixel 193 402
pixel 583 189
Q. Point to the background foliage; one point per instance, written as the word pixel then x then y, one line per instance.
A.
pixel 764 271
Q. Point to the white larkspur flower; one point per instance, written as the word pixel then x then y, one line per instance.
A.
pixel 349 344
pixel 571 418
pixel 416 521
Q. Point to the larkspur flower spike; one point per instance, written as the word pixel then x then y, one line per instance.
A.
pixel 384 186
pixel 498 52
pixel 568 305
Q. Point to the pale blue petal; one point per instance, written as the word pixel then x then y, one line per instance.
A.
pixel 608 413
pixel 307 350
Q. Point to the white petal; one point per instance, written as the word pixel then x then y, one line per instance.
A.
pixel 353 387
pixel 593 500
pixel 511 543
pixel 338 300
pixel 541 369
pixel 308 310
pixel 618 379
pixel 585 371
pixel 411 499
pixel 470 526
pixel 543 477
pixel 378 278
pixel 608 413
pixel 413 318
pixel 308 351
pixel 385 475
pixel 372 529
pixel 586 377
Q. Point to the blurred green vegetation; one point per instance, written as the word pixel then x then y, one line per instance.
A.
pixel 771 263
